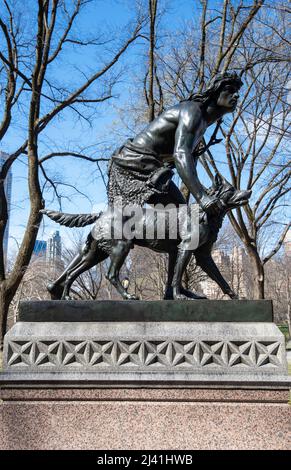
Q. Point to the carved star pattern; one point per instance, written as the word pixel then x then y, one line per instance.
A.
pixel 266 353
pixel 74 352
pixel 213 353
pixel 48 353
pixel 240 353
pixel 144 353
pixel 185 352
pixel 102 353
pixel 130 353
pixel 158 353
pixel 20 353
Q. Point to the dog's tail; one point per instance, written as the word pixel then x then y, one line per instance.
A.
pixel 71 220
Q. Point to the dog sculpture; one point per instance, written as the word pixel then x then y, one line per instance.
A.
pixel 98 247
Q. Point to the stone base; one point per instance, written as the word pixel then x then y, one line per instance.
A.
pixel 145 375
pixel 152 352
pixel 145 418
pixel 144 342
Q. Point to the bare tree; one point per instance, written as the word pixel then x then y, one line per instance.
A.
pixel 33 284
pixel 257 156
pixel 28 55
pixel 255 43
pixel 151 71
pixel 278 286
pixel 147 271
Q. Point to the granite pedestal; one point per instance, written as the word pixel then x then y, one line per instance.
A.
pixel 148 375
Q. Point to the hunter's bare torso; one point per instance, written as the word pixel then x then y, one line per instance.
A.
pixel 178 127
pixel 174 135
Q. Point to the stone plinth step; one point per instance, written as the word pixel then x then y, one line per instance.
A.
pixel 147 311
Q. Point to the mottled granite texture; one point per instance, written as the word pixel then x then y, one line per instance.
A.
pixel 268 395
pixel 144 419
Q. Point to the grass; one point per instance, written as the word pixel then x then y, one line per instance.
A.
pixel 285 330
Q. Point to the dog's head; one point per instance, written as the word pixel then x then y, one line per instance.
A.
pixel 229 196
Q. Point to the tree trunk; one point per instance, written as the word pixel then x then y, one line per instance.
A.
pixel 259 273
pixel 4 308
pixel 151 100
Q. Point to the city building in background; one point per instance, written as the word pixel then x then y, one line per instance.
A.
pixel 209 287
pixel 239 266
pixel 54 248
pixel 234 267
pixel 8 192
pixel 49 251
pixel 40 248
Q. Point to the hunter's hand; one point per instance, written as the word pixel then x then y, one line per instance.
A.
pixel 211 206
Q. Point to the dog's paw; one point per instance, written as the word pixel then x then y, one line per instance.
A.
pixel 56 291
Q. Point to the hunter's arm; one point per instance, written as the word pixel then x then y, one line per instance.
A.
pixel 187 134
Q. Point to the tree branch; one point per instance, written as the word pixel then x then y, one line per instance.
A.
pixel 279 244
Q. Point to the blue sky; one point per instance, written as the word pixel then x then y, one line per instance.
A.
pixel 101 17
pixel 109 15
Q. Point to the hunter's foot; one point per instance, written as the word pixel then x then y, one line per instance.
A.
pixel 56 291
pixel 192 295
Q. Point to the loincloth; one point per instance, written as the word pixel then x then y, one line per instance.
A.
pixel 135 175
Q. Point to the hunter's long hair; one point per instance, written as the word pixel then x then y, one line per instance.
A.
pixel 214 87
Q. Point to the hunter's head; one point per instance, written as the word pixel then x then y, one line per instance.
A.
pixel 225 89
pixel 222 91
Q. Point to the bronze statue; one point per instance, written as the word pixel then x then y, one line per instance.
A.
pixel 141 172
pixel 98 247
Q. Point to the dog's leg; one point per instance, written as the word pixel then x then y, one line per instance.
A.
pixel 171 267
pixel 206 262
pixel 91 255
pixel 118 256
pixel 56 287
pixel 87 263
pixel 73 274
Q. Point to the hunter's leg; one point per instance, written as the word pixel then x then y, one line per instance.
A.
pixel 183 259
pixel 179 292
pixel 171 267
